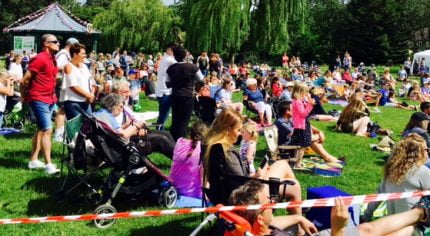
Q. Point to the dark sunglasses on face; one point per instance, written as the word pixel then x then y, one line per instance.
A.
pixel 54 42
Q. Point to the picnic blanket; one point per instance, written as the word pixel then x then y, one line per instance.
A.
pixel 318 166
pixel 9 131
pixel 148 115
pixel 339 102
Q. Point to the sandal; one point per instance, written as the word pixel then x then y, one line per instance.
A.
pixel 424 203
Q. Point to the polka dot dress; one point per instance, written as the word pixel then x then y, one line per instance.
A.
pixel 302 137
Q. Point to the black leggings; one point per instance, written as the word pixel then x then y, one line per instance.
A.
pixel 182 109
pixel 156 141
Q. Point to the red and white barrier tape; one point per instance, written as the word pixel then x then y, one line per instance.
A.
pixel 323 202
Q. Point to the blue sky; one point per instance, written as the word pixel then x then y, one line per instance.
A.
pixel 167 2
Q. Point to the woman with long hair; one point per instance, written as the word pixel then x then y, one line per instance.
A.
pixel 223 159
pixel 405 171
pixel 355 117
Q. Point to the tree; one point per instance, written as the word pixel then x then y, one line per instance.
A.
pixel 270 24
pixel 91 8
pixel 144 25
pixel 216 25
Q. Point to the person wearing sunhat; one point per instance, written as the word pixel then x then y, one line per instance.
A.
pixel 286 93
pixel 256 101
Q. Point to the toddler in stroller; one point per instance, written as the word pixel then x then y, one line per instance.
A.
pixel 15 113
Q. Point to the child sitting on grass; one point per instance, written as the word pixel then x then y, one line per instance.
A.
pixel 186 171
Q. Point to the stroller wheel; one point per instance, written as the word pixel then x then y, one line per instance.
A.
pixel 168 197
pixel 104 209
pixel 18 125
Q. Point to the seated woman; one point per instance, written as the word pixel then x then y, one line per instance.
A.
pixel 285 131
pixel 256 100
pixel 152 141
pixel 223 97
pixel 418 124
pixel 404 172
pixel 318 112
pixel 386 98
pixel 415 93
pixel 223 159
pixel 355 117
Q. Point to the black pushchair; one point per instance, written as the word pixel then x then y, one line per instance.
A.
pixel 132 173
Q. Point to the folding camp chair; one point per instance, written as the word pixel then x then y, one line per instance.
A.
pixel 74 158
pixel 276 151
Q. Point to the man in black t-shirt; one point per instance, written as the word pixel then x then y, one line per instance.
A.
pixel 182 77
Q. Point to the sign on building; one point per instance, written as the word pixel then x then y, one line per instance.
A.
pixel 23 43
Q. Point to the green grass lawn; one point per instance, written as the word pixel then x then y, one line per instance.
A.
pixel 25 193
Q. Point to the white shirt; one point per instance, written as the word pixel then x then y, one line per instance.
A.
pixel 16 70
pixel 160 86
pixel 78 77
pixel 63 58
pixel 3 99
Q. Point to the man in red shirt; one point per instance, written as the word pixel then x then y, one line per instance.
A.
pixel 38 90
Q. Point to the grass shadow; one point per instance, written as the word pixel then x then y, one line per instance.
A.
pixel 19 136
pixel 9 162
pixel 178 227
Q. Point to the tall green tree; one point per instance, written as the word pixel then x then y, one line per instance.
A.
pixel 270 31
pixel 145 25
pixel 216 25
pixel 91 8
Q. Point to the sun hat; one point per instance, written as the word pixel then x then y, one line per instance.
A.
pixel 251 81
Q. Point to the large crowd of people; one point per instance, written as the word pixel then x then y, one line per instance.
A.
pixel 108 86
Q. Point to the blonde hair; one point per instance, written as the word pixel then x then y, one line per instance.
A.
pixel 299 90
pixel 4 75
pixel 251 128
pixel 407 156
pixel 355 108
pixel 219 132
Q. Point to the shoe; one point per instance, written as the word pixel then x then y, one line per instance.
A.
pixel 376 110
pixel 32 165
pixel 59 138
pixel 51 169
pixel 405 104
pixel 424 203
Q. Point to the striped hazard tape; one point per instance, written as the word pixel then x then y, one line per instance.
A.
pixel 323 202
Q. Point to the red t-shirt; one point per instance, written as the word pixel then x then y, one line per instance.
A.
pixel 276 90
pixel 243 71
pixel 42 85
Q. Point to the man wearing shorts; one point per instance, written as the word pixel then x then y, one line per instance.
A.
pixel 38 90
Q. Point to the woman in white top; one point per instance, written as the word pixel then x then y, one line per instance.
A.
pixel 6 89
pixel 79 83
pixel 15 68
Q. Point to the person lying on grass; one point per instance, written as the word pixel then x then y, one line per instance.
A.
pixel 285 131
pixel 263 222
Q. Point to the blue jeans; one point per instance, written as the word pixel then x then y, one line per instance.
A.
pixel 43 114
pixel 164 104
pixel 1 119
pixel 73 109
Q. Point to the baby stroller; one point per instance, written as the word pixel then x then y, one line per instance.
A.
pixel 132 174
pixel 15 113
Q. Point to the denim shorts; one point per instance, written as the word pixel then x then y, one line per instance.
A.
pixel 43 114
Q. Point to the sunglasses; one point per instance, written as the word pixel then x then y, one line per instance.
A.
pixel 54 42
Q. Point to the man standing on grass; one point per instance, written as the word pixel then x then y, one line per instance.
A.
pixel 38 90
pixel 161 91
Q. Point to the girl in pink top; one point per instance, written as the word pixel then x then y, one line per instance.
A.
pixel 186 171
pixel 301 107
